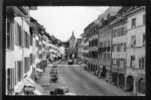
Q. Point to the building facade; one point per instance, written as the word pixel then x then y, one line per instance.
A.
pixel 18 47
pixel 105 44
pixel 72 50
pixel 135 74
pixel 91 38
pixel 83 49
pixel 119 44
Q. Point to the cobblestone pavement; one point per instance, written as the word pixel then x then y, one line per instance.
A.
pixel 85 83
pixel 44 80
pixel 79 82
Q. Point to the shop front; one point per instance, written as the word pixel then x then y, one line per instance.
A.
pixel 141 85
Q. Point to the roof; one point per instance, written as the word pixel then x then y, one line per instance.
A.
pixel 112 11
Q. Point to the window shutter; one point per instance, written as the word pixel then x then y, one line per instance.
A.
pixel 16 33
pixel 11 37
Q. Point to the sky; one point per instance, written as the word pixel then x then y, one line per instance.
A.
pixel 61 21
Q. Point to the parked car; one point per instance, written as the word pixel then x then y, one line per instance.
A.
pixel 70 61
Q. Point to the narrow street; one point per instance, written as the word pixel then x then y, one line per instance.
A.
pixel 99 53
pixel 79 82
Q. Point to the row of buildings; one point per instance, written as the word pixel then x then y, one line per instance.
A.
pixel 27 48
pixel 113 46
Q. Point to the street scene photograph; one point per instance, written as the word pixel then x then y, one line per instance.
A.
pixel 75 50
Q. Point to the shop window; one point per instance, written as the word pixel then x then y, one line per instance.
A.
pixel 133 23
pixel 141 86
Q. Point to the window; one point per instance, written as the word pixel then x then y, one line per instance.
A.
pixel 124 46
pixel 26 40
pixel 123 31
pixel 114 47
pixel 27 62
pixel 9 35
pixel 20 36
pixel 31 59
pixel 8 79
pixel 115 33
pixel 118 47
pixel 142 62
pixel 121 47
pixel 133 24
pixel 133 41
pixel 141 86
pixel 19 70
pixel 144 39
pixel 114 61
pixel 144 19
pixel 31 41
pixel 132 65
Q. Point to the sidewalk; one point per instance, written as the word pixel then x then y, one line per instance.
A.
pixel 44 80
pixel 108 86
